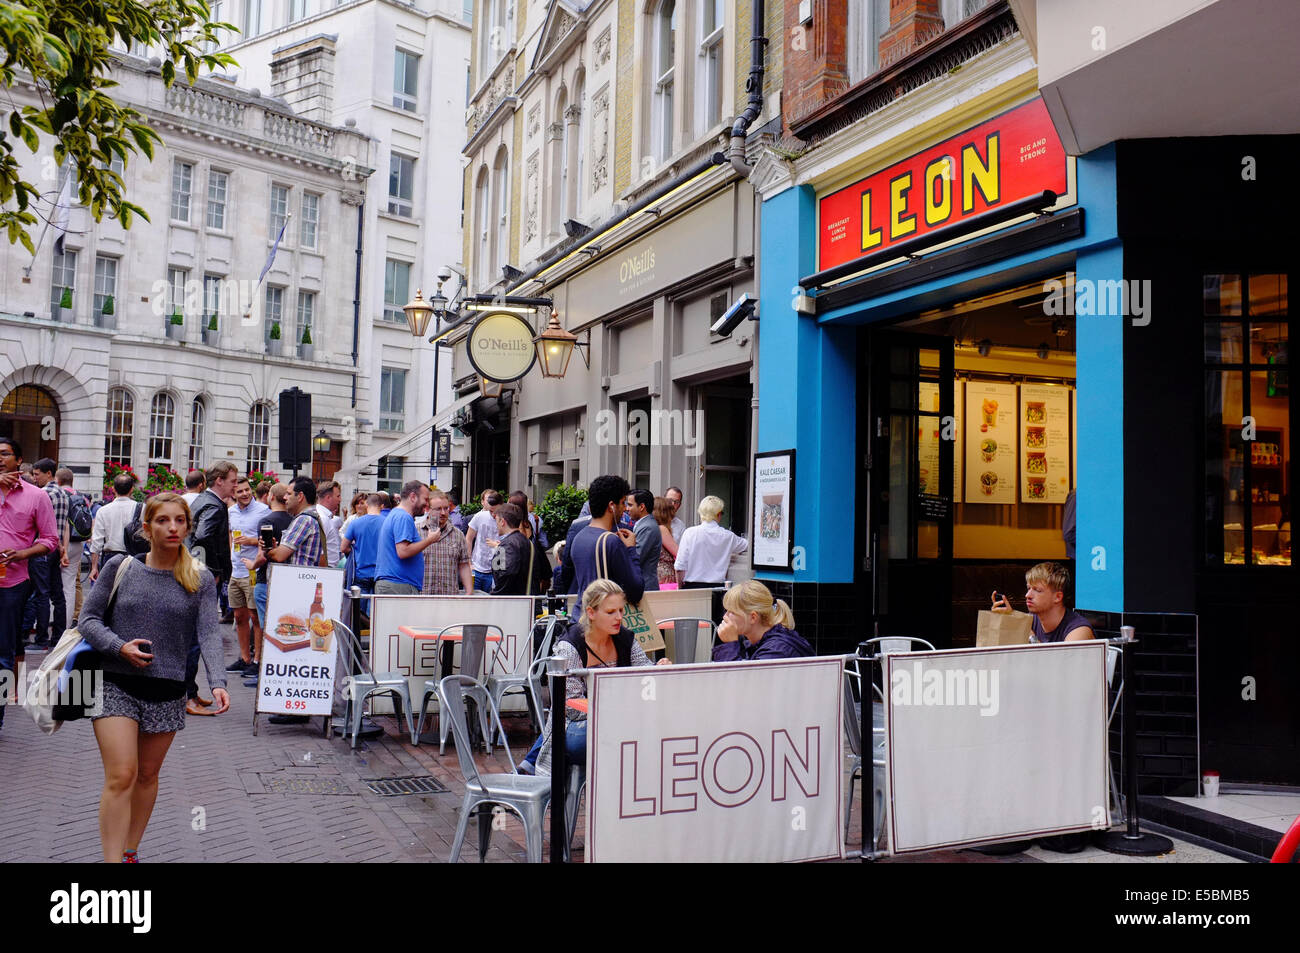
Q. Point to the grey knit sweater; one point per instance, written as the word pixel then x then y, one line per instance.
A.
pixel 152 605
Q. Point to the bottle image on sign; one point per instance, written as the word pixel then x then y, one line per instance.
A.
pixel 321 628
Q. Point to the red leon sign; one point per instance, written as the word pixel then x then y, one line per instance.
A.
pixel 1009 157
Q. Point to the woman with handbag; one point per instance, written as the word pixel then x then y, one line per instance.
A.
pixel 143 639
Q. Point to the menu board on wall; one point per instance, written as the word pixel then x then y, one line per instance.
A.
pixel 1045 443
pixel 990 454
pixel 927 443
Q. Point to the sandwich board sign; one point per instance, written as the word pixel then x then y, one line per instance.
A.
pixel 300 653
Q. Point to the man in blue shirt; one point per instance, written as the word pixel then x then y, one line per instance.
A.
pixel 399 563
pixel 360 543
pixel 617 552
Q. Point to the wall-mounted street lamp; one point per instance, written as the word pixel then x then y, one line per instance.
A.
pixel 321 442
pixel 555 347
pixel 489 388
pixel 420 312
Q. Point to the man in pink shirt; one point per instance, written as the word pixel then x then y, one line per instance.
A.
pixel 26 530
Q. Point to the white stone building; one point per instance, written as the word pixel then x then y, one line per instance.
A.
pixel 111 375
pixel 399 71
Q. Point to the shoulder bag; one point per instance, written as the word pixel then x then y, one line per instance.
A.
pixel 44 698
pixel 637 616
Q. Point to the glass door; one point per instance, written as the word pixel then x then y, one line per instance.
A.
pixel 910 438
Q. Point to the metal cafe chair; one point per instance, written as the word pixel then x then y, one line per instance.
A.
pixel 499 685
pixel 469 635
pixel 686 636
pixel 523 794
pixel 363 683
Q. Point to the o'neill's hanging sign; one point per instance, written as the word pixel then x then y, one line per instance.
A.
pixel 1010 157
pixel 500 346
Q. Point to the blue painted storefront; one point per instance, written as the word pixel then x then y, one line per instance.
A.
pixel 807 383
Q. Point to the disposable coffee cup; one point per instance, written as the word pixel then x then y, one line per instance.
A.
pixel 1210 783
pixel 1127 632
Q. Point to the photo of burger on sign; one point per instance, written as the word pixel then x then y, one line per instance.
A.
pixel 299 652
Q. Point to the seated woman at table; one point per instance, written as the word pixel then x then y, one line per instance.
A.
pixel 757 626
pixel 599 640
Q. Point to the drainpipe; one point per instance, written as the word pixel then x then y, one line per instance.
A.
pixel 754 86
pixel 356 300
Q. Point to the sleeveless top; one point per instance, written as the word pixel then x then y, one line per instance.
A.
pixel 1071 621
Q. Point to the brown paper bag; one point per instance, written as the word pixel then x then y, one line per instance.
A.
pixel 637 616
pixel 1003 628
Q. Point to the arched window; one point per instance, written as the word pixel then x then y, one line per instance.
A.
pixel 663 57
pixel 259 436
pixel 559 164
pixel 482 230
pixel 501 203
pixel 162 429
pixel 198 433
pixel 120 426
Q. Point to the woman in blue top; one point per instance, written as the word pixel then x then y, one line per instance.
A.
pixel 757 626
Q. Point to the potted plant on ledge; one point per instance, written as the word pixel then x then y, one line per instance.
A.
pixel 274 348
pixel 176 326
pixel 210 331
pixel 306 349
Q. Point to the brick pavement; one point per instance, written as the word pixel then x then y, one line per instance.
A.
pixel 223 797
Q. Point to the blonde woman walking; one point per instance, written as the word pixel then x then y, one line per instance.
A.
pixel 161 606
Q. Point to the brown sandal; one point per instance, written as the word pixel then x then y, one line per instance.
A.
pixel 192 707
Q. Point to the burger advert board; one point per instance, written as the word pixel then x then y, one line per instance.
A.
pixel 300 647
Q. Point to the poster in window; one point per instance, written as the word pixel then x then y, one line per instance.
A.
pixel 929 432
pixel 991 434
pixel 1045 443
pixel 773 536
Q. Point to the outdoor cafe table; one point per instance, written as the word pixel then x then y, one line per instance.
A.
pixel 422 634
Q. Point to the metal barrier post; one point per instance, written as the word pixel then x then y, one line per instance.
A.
pixel 867 748
pixel 559 769
pixel 1131 841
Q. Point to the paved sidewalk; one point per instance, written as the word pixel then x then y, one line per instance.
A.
pixel 226 796
pixel 290 795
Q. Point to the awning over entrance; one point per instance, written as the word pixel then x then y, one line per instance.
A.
pixel 1222 68
pixel 417 433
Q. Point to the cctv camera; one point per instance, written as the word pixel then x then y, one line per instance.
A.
pixel 444 273
pixel 740 309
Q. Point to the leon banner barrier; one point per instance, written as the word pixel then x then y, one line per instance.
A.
pixel 989 744
pixel 736 762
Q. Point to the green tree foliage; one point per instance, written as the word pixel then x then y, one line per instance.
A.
pixel 62 47
pixel 560 508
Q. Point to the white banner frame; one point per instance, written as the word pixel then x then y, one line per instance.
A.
pixel 904 784
pixel 821 814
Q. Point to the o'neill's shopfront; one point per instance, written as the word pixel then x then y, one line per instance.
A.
pixel 983 325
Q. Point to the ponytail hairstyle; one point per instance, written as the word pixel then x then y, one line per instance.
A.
pixel 753 596
pixel 594 595
pixel 186 570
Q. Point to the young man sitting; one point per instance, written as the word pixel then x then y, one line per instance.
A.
pixel 1045 601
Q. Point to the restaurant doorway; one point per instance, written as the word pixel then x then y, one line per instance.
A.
pixel 969 456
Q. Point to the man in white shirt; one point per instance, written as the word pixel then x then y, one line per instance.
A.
pixel 327 506
pixel 482 540
pixel 194 485
pixel 706 550
pixel 674 496
pixel 107 539
pixel 245 519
